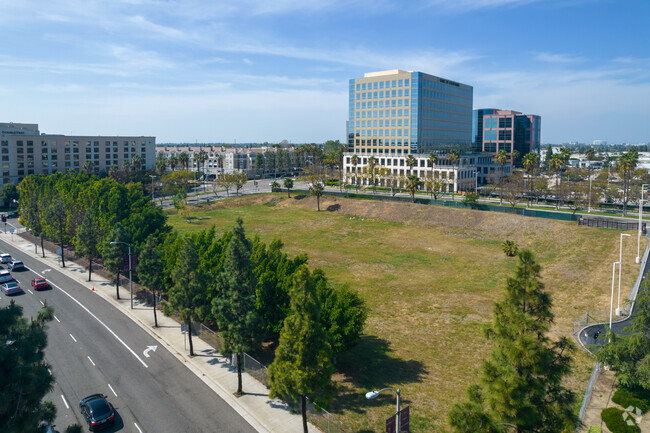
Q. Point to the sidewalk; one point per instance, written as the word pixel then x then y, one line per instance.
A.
pixel 263 414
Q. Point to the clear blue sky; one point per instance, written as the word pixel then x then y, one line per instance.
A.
pixel 254 71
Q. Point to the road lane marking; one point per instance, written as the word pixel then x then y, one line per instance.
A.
pixel 30 291
pixel 136 426
pixel 114 393
pixel 42 303
pixel 91 361
pixel 72 336
pixel 57 319
pixel 99 320
pixel 64 401
pixel 148 349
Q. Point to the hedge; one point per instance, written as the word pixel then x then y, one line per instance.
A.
pixel 635 397
pixel 613 418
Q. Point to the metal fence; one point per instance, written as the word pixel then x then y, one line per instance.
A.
pixel 588 391
pixel 607 223
pixel 598 315
pixel 325 421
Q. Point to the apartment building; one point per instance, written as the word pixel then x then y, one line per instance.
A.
pixel 220 159
pixel 24 150
pixel 399 112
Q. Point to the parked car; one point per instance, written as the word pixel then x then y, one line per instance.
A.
pixel 11 288
pixel 12 214
pixel 99 413
pixel 5 258
pixel 40 283
pixel 15 265
pixel 5 276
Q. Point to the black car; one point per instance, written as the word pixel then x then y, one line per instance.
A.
pixel 99 413
pixel 13 215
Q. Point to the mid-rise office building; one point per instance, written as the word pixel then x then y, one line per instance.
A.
pixel 494 130
pixel 24 150
pixel 397 112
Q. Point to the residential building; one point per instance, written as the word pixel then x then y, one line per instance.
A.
pixel 24 150
pixel 399 112
pixel 494 130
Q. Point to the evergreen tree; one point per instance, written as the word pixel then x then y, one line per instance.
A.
pixel 114 254
pixel 234 306
pixel 57 222
pixel 151 270
pixel 302 363
pixel 24 375
pixel 187 295
pixel 88 238
pixel 522 381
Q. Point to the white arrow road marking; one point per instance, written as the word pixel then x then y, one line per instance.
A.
pixel 149 348
pixel 47 270
pixel 114 393
pixel 64 401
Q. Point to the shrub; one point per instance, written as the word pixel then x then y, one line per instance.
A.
pixel 595 429
pixel 74 428
pixel 613 419
pixel 635 397
pixel 510 248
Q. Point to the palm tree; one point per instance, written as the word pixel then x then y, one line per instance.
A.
pixel 626 165
pixel 591 155
pixel 556 164
pixel 172 161
pixel 355 162
pixel 288 184
pixel 220 160
pixel 317 189
pixel 161 163
pixel 432 160
pixel 411 162
pixel 412 184
pixel 113 170
pixel 454 157
pixel 137 162
pixel 372 163
pixel 184 160
pixel 200 158
pixel 88 166
pixel 531 165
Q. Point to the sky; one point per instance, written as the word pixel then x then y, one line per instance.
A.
pixel 236 71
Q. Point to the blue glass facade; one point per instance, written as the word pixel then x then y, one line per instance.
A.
pixel 399 112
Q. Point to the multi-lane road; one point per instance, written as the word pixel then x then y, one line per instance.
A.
pixel 93 349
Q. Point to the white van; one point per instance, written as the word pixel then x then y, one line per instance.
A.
pixel 5 258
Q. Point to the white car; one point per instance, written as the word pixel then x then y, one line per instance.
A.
pixel 5 276
pixel 5 258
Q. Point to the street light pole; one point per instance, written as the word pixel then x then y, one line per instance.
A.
pixel 372 394
pixel 611 301
pixel 152 178
pixel 130 269
pixel 620 271
pixel 638 241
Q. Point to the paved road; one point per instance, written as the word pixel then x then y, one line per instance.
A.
pixel 93 349
pixel 594 335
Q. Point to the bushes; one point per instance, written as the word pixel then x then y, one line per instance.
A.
pixel 616 422
pixel 635 397
pixel 595 429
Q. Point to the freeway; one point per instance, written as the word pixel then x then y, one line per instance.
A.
pixel 93 349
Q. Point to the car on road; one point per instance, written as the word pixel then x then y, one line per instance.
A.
pixel 5 276
pixel 5 258
pixel 16 265
pixel 99 413
pixel 11 288
pixel 40 283
pixel 12 215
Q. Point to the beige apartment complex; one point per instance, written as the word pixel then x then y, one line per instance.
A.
pixel 24 150
pixel 220 159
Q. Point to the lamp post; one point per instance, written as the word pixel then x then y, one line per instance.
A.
pixel 152 178
pixel 638 241
pixel 130 277
pixel 372 394
pixel 620 271
pixel 611 301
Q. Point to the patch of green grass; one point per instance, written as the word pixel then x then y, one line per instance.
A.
pixel 635 397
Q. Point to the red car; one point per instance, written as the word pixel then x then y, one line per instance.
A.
pixel 39 284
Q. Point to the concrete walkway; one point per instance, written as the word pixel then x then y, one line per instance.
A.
pixel 264 414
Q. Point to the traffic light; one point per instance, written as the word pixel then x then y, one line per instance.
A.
pixel 4 218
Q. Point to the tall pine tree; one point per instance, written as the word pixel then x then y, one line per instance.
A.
pixel 302 364
pixel 522 381
pixel 234 306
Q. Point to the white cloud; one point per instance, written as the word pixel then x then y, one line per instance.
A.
pixel 557 58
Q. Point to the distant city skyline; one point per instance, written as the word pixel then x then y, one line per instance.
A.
pixel 254 71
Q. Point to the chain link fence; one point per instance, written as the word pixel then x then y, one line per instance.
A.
pixel 598 315
pixel 324 420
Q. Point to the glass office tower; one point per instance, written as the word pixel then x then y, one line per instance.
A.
pixel 399 112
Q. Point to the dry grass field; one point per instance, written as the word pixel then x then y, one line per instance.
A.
pixel 430 276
